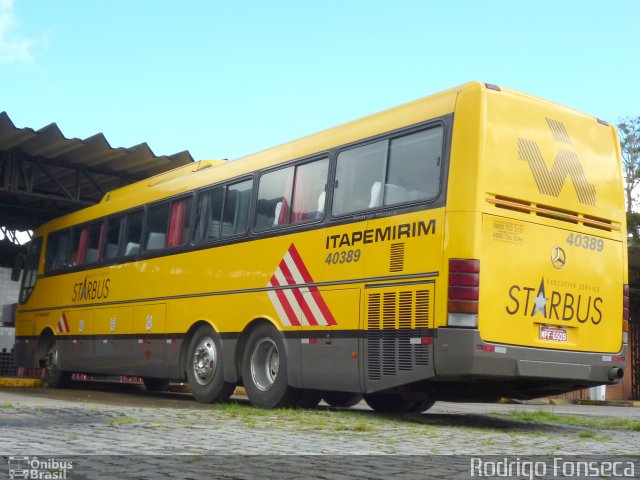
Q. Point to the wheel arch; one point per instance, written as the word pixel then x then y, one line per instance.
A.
pixel 44 340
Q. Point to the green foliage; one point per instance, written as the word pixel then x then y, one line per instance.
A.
pixel 629 129
pixel 633 228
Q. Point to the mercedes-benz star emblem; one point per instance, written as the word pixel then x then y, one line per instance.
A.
pixel 558 257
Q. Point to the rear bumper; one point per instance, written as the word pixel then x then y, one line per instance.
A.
pixel 459 354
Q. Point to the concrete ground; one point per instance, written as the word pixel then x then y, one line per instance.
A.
pixel 110 431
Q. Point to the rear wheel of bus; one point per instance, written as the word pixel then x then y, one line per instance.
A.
pixel 53 376
pixel 204 367
pixel 342 399
pixel 388 402
pixel 264 370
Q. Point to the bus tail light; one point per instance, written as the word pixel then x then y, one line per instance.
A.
pixel 464 292
pixel 625 314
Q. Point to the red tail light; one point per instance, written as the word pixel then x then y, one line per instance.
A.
pixel 625 303
pixel 464 283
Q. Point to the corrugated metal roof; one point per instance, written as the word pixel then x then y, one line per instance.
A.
pixel 43 174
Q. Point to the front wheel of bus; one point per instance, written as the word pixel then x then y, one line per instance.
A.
pixel 264 370
pixel 53 376
pixel 204 368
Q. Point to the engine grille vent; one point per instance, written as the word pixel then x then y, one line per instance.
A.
pixel 395 317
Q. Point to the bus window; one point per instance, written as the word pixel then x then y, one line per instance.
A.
pixel 57 255
pixel 359 177
pixel 389 172
pixel 31 269
pixel 132 233
pixel 414 167
pixel 112 237
pixel 208 214
pixel 309 191
pixel 179 222
pixel 235 215
pixel 274 198
pixel 85 244
pixel 95 242
pixel 157 223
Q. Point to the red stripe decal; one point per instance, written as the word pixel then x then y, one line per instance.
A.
pixel 299 297
pixel 284 303
pixel 300 264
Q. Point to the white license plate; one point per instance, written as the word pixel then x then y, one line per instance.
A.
pixel 553 334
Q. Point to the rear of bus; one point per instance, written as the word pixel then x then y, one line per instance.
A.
pixel 535 253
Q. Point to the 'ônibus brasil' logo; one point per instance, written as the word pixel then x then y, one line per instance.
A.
pixel 551 304
pixel 566 164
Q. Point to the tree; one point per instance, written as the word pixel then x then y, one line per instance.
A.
pixel 629 129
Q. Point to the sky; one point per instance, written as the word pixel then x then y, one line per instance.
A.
pixel 226 79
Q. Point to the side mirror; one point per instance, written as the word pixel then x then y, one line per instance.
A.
pixel 18 265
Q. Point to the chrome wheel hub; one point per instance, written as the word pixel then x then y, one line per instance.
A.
pixel 205 360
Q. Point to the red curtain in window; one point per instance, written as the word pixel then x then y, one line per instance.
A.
pixel 176 224
pixel 83 244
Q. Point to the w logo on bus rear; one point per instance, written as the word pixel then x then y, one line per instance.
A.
pixel 566 164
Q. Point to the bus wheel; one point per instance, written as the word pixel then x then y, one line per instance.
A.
pixel 264 370
pixel 155 384
pixel 387 402
pixel 422 406
pixel 342 399
pixel 53 376
pixel 204 368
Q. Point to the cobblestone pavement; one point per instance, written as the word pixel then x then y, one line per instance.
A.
pixel 179 438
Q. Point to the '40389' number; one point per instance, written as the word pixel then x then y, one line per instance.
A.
pixel 343 256
pixel 586 242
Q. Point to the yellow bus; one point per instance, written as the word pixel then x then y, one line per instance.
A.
pixel 466 246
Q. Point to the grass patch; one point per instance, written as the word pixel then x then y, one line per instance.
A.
pixel 597 423
pixel 8 405
pixel 121 420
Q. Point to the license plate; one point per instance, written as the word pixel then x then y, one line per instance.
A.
pixel 553 334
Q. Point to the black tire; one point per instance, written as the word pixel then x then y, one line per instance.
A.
pixel 388 403
pixel 204 367
pixel 342 399
pixel 308 398
pixel 264 370
pixel 53 376
pixel 422 406
pixel 156 385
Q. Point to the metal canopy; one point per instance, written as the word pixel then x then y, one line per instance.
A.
pixel 44 175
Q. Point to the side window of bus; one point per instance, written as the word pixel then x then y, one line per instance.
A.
pixel 292 195
pixel 309 191
pixel 113 227
pixel 31 269
pixel 132 233
pixel 413 172
pixel 157 224
pixel 208 214
pixel 85 244
pixel 274 199
pixel 179 222
pixel 389 172
pixel 235 213
pixel 57 254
